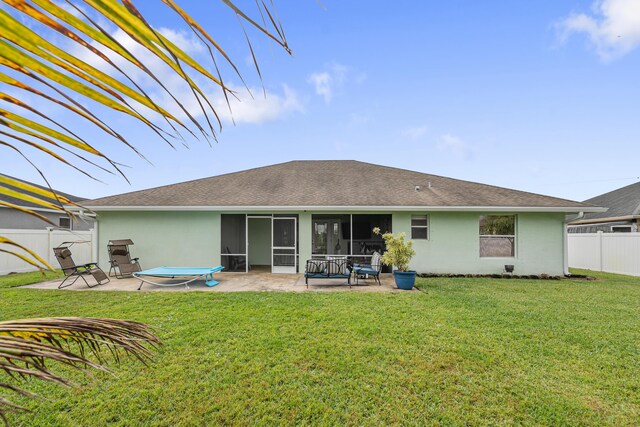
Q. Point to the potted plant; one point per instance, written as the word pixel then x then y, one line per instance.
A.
pixel 398 255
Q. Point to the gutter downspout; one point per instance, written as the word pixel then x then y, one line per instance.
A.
pixel 567 220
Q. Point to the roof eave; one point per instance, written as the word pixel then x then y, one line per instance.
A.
pixel 564 209
pixel 605 220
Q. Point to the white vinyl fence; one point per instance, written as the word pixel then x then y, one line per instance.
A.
pixel 611 252
pixel 42 242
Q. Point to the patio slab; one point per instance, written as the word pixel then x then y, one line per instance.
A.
pixel 237 282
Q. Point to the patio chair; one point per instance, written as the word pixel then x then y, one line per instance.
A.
pixel 236 263
pixel 372 269
pixel 122 265
pixel 71 270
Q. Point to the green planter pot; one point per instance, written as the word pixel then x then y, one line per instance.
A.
pixel 405 279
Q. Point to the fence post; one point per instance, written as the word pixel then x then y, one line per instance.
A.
pixel 600 233
pixel 94 244
pixel 49 245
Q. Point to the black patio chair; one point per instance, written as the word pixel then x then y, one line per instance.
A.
pixel 71 270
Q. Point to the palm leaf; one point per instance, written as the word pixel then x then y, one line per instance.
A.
pixel 26 187
pixel 29 348
pixel 15 32
pixel 6 241
pixel 35 63
pixel 76 109
pixel 27 211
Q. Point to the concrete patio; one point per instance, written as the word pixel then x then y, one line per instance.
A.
pixel 237 282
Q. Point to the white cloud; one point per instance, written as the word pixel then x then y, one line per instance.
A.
pixel 453 145
pixel 259 109
pixel 244 108
pixel 613 27
pixel 323 84
pixel 327 82
pixel 415 133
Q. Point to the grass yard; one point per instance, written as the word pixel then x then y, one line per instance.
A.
pixel 21 279
pixel 463 352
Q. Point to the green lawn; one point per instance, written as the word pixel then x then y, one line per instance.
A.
pixel 21 279
pixel 462 352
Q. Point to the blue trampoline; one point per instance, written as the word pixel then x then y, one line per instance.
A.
pixel 189 273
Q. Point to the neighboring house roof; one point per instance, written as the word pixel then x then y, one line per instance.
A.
pixel 623 204
pixel 30 205
pixel 330 183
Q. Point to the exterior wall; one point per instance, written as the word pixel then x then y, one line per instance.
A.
pixel 454 244
pixel 304 239
pixel 193 239
pixel 16 220
pixel 176 239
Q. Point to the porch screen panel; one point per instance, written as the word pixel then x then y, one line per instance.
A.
pixel 365 242
pixel 234 242
pixel 284 233
pixel 284 242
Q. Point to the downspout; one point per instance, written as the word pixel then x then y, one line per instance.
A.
pixel 567 220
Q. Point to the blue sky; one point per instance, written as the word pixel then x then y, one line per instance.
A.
pixel 543 99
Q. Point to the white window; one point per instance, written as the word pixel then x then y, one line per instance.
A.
pixel 621 229
pixel 64 222
pixel 419 227
pixel 497 235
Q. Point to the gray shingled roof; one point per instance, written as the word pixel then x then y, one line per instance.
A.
pixel 18 202
pixel 622 202
pixel 330 183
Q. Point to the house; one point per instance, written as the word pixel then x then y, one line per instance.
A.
pixel 16 220
pixel 281 215
pixel 623 215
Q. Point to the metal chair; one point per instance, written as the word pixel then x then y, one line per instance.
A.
pixel 372 269
pixel 71 270
pixel 122 265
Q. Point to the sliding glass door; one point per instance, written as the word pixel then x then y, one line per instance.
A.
pixel 335 235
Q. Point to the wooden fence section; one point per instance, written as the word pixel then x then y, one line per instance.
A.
pixel 610 252
pixel 42 242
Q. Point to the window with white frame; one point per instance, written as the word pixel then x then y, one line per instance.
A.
pixel 497 235
pixel 621 229
pixel 419 227
pixel 64 222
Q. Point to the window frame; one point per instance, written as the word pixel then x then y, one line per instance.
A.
pixel 514 236
pixel 621 229
pixel 62 227
pixel 426 227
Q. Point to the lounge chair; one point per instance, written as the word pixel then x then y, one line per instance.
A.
pixel 189 274
pixel 70 269
pixel 372 269
pixel 122 265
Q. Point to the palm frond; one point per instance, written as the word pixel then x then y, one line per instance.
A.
pixel 32 62
pixel 29 348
